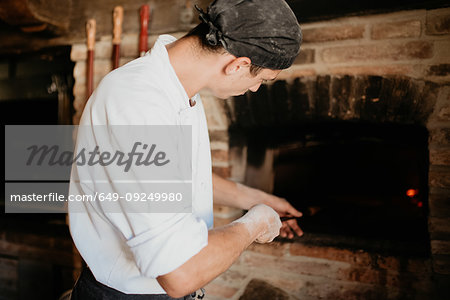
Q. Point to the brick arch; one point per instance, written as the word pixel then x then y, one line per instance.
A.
pixel 395 99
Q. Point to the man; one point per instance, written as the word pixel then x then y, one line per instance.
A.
pixel 238 45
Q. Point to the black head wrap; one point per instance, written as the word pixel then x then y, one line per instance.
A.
pixel 266 31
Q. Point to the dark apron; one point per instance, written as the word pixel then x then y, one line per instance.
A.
pixel 88 288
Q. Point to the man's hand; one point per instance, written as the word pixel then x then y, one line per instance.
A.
pixel 280 205
pixel 238 195
pixel 262 223
pixel 284 209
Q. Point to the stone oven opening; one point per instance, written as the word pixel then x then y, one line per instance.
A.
pixel 359 185
pixel 356 168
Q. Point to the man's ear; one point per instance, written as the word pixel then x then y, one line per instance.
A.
pixel 237 64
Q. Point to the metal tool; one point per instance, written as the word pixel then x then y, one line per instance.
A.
pixel 288 218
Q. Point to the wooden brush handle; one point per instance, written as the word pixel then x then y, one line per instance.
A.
pixel 90 33
pixel 143 36
pixel 118 20
pixel 90 43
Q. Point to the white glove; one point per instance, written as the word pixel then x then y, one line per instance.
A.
pixel 261 220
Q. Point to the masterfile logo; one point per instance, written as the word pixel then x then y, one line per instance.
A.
pixel 131 168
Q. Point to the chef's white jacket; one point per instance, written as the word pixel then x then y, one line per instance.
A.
pixel 127 251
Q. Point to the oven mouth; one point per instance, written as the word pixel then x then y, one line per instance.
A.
pixel 360 185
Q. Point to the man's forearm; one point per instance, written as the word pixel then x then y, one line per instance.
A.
pixel 225 244
pixel 229 193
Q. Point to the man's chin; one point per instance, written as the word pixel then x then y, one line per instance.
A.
pixel 223 97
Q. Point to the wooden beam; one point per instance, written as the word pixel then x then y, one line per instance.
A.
pixel 165 18
pixel 37 15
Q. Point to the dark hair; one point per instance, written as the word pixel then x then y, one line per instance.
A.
pixel 200 31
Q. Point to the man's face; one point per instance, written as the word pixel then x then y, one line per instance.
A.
pixel 240 82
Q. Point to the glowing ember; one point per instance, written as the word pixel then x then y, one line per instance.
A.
pixel 412 193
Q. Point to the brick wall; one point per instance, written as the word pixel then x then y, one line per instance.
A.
pixel 306 272
pixel 413 44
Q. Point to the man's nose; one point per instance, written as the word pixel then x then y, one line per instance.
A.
pixel 255 87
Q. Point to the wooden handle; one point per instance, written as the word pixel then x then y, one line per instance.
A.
pixel 143 36
pixel 90 33
pixel 90 42
pixel 117 19
pixel 90 74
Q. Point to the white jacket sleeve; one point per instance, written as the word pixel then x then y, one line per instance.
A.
pixel 165 246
